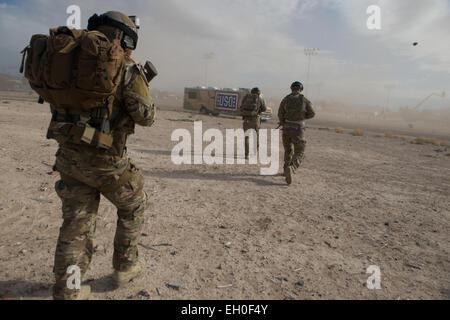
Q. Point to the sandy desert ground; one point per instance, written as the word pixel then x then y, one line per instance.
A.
pixel 226 232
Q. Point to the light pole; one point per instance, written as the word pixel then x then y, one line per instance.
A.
pixel 207 56
pixel 389 88
pixel 319 87
pixel 309 52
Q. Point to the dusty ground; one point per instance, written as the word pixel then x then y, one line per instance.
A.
pixel 226 232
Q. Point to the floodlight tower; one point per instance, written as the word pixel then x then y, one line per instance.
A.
pixel 309 52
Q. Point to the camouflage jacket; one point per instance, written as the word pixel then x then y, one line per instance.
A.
pixel 132 105
pixel 294 109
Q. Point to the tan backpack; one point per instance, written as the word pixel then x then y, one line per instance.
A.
pixel 295 108
pixel 250 105
pixel 77 72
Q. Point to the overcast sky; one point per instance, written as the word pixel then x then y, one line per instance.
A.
pixel 261 43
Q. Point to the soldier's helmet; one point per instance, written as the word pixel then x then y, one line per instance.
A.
pixel 297 85
pixel 255 91
pixel 117 20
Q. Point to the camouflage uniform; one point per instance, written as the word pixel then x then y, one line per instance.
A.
pixel 294 109
pixel 86 172
pixel 253 122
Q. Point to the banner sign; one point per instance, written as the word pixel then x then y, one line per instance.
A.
pixel 227 101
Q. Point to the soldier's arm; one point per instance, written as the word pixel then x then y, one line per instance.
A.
pixel 263 107
pixel 309 110
pixel 282 111
pixel 137 100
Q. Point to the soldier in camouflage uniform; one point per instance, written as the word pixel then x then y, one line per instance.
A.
pixel 87 172
pixel 252 115
pixel 294 110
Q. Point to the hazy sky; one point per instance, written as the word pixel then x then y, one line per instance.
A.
pixel 261 43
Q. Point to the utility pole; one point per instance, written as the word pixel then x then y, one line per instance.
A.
pixel 309 52
pixel 207 56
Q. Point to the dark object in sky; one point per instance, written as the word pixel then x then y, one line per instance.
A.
pixel 415 43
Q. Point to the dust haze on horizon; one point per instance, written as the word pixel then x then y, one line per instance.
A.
pixel 261 43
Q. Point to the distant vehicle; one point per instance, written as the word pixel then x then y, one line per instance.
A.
pixel 218 101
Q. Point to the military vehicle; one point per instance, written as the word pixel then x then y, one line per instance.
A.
pixel 216 101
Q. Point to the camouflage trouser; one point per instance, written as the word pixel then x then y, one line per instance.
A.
pixel 251 123
pixel 294 147
pixel 83 175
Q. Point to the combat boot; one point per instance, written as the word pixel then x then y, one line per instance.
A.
pixel 85 292
pixel 288 174
pixel 121 278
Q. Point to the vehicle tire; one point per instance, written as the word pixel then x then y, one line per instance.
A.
pixel 204 110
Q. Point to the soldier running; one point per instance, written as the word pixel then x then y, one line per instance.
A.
pixel 294 109
pixel 251 108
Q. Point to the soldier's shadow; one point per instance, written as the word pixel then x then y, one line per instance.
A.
pixel 21 289
pixel 155 152
pixel 194 174
pixel 102 285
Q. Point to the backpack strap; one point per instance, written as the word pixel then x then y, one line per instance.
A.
pixel 24 52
